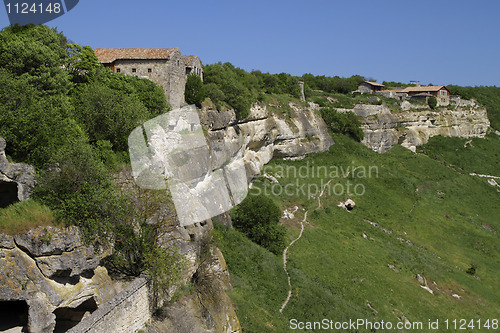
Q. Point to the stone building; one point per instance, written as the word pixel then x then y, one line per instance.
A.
pixel 193 65
pixel 165 67
pixel 368 87
pixel 441 93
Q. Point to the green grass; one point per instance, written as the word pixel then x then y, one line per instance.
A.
pixel 450 220
pixel 22 216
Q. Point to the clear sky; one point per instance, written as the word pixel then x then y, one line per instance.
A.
pixel 438 41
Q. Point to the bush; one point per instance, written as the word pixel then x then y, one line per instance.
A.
pixel 194 93
pixel 432 102
pixel 343 123
pixel 79 190
pixel 258 218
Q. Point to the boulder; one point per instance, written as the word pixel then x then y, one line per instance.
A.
pixel 48 241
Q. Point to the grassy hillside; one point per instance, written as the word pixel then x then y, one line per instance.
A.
pixel 439 222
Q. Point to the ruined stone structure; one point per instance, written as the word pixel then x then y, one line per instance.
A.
pixel 165 67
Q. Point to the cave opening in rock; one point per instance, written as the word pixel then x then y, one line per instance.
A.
pixel 67 318
pixel 13 316
pixel 8 193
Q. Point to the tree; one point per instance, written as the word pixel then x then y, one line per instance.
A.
pixel 258 218
pixel 343 122
pixel 108 114
pixel 432 102
pixel 194 92
pixel 79 190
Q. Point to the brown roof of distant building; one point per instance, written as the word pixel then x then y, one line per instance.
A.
pixel 423 89
pixel 374 84
pixel 109 55
pixel 189 60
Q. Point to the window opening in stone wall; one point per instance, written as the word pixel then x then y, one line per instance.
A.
pixel 150 70
pixel 118 70
pixel 13 316
pixel 134 70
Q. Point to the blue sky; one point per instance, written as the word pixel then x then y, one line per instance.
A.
pixel 439 42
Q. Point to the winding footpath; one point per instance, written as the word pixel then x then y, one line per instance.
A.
pixel 296 239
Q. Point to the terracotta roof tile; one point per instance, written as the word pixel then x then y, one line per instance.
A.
pixel 189 60
pixel 423 88
pixel 107 56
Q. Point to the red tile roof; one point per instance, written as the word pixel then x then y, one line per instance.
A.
pixel 423 89
pixel 189 60
pixel 107 56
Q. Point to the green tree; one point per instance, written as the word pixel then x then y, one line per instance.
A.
pixel 258 218
pixel 82 63
pixel 343 122
pixel 108 114
pixel 432 102
pixel 38 54
pixel 79 190
pixel 194 92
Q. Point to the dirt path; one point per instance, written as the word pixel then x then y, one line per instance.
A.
pixel 296 239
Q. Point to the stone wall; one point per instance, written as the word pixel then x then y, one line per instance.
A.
pixel 127 312
pixel 170 74
pixel 176 69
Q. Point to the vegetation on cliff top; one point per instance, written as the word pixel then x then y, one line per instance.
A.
pixel 70 117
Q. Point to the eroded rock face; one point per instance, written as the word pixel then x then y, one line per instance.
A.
pixel 414 127
pixel 16 179
pixel 262 136
pixel 51 268
pixel 208 308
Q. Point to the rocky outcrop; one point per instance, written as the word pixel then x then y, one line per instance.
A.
pixel 263 135
pixel 208 309
pixel 383 129
pixel 55 274
pixel 16 179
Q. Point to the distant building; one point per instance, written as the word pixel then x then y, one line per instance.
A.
pixel 369 87
pixel 194 65
pixel 424 92
pixel 165 67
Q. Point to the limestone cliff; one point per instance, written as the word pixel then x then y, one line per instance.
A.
pixel 50 280
pixel 264 135
pixel 414 125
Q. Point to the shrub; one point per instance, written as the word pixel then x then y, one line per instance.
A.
pixel 432 102
pixel 194 93
pixel 79 190
pixel 258 218
pixel 343 122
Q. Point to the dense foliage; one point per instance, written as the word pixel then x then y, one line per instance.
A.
pixel 233 87
pixel 487 96
pixel 343 122
pixel 258 218
pixel 432 102
pixel 194 92
pixel 54 94
pixel 70 117
pixel 334 84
